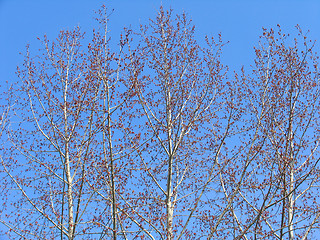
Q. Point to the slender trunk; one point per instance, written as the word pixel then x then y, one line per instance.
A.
pixel 69 193
pixel 169 204
pixel 110 162
pixel 107 133
pixel 291 165
pixel 68 167
pixel 283 203
pixel 113 193
pixel 291 186
pixel 291 204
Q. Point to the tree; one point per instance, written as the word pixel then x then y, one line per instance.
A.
pixel 282 93
pixel 185 116
pixel 52 142
pixel 154 141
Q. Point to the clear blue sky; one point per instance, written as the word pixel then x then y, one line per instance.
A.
pixel 240 22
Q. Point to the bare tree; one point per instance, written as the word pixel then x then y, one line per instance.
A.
pixel 154 141
pixel 52 139
pixel 280 197
pixel 185 113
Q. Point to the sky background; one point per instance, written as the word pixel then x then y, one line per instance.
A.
pixel 240 22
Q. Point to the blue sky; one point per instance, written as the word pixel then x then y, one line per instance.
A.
pixel 240 22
